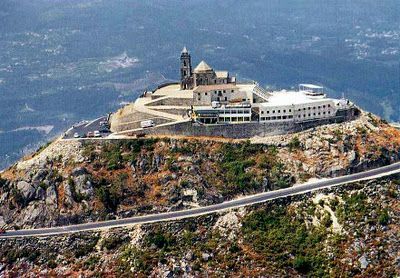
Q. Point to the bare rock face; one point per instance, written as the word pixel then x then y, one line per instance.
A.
pixel 82 181
pixel 51 196
pixel 27 190
pixel 68 194
pixel 34 215
pixel 39 176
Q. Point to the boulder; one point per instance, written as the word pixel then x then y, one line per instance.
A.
pixel 79 171
pixel 51 196
pixel 40 193
pixel 68 195
pixel 39 176
pixel 363 262
pixel 27 190
pixel 83 185
pixel 205 256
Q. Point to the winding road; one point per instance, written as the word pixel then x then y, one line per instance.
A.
pixel 243 201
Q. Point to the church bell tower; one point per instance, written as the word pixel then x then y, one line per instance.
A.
pixel 186 70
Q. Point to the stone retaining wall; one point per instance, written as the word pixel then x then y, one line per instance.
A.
pixel 245 130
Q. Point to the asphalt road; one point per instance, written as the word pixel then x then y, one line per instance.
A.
pixel 85 127
pixel 245 201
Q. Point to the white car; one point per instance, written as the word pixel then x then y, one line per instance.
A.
pixel 146 124
pixel 97 133
pixel 76 135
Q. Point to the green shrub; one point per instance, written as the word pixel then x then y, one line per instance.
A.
pixel 294 144
pixel 91 262
pixel 302 264
pixel 275 234
pixel 161 240
pixel 383 218
pixel 51 264
pixel 112 242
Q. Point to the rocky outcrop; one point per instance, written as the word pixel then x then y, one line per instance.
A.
pixel 278 238
pixel 339 149
pixel 90 181
pixel 27 190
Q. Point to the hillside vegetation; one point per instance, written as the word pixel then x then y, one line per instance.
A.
pixel 347 231
pixel 75 182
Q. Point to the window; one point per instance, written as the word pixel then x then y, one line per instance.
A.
pixel 323 106
pixel 273 118
pixel 304 109
pixel 262 119
pixel 309 108
pixel 315 114
pixel 284 117
pixel 290 110
pixel 234 119
pixel 329 112
pixel 309 115
pixel 262 112
pixel 299 110
pixel 232 91
pixel 279 117
pixel 284 111
pixel 319 107
pixel 226 99
pixel 314 108
pixel 329 105
pixel 273 111
pixel 205 93
pixel 268 112
pixel 279 111
pixel 246 119
pixel 268 118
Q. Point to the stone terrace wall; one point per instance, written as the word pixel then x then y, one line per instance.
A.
pixel 244 130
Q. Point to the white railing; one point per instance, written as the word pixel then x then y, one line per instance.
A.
pixel 259 91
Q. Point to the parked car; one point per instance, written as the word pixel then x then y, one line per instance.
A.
pixel 2 231
pixel 76 135
pixel 97 133
pixel 104 129
pixel 90 134
pixel 146 124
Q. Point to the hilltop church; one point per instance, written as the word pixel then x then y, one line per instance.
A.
pixel 203 74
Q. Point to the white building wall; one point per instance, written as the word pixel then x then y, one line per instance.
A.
pixel 298 112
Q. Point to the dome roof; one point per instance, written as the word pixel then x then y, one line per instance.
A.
pixel 202 67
